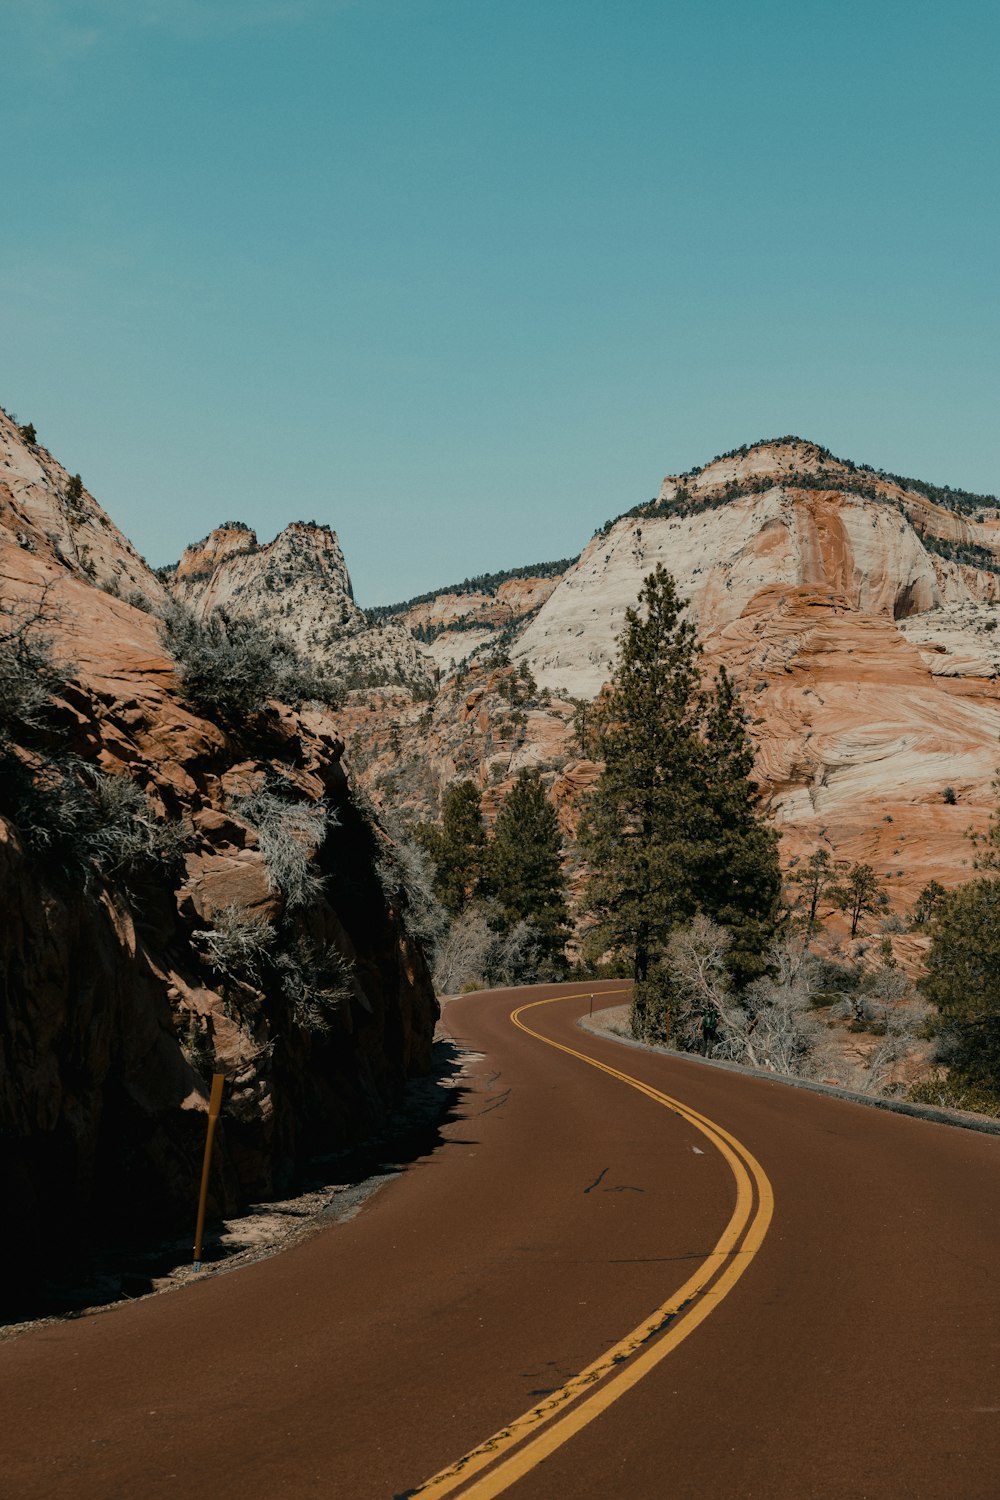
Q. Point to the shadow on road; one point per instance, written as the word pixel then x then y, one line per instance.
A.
pixel 327 1189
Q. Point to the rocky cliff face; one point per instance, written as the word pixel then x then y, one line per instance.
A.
pixel 858 613
pixel 300 586
pixel 47 513
pixel 475 622
pixel 859 618
pixel 180 895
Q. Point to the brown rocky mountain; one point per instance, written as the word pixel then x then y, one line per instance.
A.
pixel 183 890
pixel 857 612
pixel 478 616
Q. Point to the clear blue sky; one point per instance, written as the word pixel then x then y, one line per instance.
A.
pixel 463 278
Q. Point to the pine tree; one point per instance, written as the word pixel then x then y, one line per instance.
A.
pixel 962 978
pixel 860 895
pixel 737 877
pixel 927 903
pixel 671 828
pixel 457 847
pixel 524 873
pixel 816 877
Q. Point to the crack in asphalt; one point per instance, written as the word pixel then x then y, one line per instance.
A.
pixel 494 1104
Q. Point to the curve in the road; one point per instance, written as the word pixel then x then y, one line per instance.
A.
pixel 539 1432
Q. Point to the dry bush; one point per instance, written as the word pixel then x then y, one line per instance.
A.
pixel 127 835
pixel 474 955
pixel 238 945
pixel 229 668
pixel 406 874
pixel 84 821
pixel 289 831
pixel 317 981
pixel 769 1025
pixel 29 675
pixel 948 1092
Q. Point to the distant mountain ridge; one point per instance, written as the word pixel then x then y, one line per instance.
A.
pixel 480 583
pixel 857 610
pixel 858 614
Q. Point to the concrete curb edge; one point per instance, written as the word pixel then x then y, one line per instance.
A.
pixel 982 1123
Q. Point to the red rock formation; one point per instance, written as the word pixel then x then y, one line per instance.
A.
pixel 868 658
pixel 115 1013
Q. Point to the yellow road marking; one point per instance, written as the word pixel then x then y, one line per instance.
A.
pixel 710 1282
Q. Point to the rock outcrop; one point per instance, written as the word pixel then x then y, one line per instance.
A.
pixel 477 620
pixel 299 585
pixel 858 616
pixel 180 894
pixel 857 611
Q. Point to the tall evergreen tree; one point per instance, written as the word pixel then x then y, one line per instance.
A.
pixel 671 827
pixel 962 978
pixel 737 877
pixel 524 873
pixel 457 847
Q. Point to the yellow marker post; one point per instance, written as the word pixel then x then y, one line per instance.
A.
pixel 214 1105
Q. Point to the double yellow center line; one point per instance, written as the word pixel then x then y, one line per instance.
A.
pixel 563 1413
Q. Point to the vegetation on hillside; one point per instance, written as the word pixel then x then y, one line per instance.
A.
pixel 230 666
pixel 962 981
pixel 457 847
pixel 480 583
pixel 73 818
pixel 523 870
pixel 860 479
pixel 962 977
pixel 505 894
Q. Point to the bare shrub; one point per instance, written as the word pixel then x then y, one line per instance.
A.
pixel 49 808
pixel 523 956
pixel 126 834
pixel 768 1025
pixel 461 957
pixel 773 1026
pixel 84 820
pixel 230 667
pixel 238 945
pixel 874 1004
pixel 687 991
pixel 474 955
pixel 28 672
pixel 317 981
pixel 289 831
pixel 871 1073
pixel 406 874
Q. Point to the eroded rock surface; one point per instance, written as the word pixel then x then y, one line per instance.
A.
pixel 857 613
pixel 299 585
pixel 115 1011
